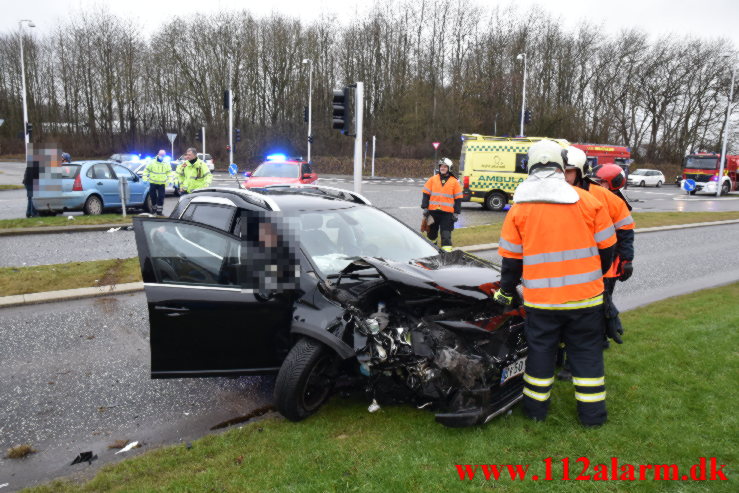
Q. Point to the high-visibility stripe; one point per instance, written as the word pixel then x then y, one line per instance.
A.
pixel 561 256
pixel 539 382
pixel 589 382
pixel 558 282
pixel 458 195
pixel 604 234
pixel 512 247
pixel 536 395
pixel 426 189
pixel 448 204
pixel 600 396
pixel 624 222
pixel 447 195
pixel 572 305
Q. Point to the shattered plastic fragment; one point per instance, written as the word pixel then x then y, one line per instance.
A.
pixel 128 447
pixel 84 457
pixel 374 407
pixel 113 230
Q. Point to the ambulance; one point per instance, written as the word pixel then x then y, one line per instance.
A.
pixel 492 167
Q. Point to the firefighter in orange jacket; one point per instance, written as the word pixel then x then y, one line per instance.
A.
pixel 618 208
pixel 442 200
pixel 558 241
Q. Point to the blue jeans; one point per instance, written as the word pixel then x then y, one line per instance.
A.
pixel 30 209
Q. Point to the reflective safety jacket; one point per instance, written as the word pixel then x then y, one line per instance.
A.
pixel 558 245
pixel 193 175
pixel 158 172
pixel 622 222
pixel 446 197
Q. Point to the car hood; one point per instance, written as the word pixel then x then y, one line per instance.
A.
pixel 265 181
pixel 455 273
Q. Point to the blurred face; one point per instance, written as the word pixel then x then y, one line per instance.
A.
pixel 189 155
pixel 443 169
pixel 161 154
pixel 267 235
pixel 571 176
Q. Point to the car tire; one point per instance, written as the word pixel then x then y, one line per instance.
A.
pixel 495 201
pixel 642 184
pixel 659 184
pixel 147 205
pixel 305 379
pixel 93 206
pixel 725 188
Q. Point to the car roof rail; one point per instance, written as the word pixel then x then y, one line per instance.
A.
pixel 251 197
pixel 337 193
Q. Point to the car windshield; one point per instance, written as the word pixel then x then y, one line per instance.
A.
pixel 334 239
pixel 703 162
pixel 277 170
pixel 640 172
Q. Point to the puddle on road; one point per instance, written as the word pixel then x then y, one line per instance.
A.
pixel 260 411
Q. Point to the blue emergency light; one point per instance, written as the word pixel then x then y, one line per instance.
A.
pixel 276 157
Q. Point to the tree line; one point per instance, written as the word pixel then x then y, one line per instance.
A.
pixel 433 69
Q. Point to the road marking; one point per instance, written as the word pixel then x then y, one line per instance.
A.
pixel 701 199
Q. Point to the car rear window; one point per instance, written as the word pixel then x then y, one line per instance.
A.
pixel 218 216
pixel 70 170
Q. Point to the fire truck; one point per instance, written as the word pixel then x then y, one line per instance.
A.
pixel 703 169
pixel 606 154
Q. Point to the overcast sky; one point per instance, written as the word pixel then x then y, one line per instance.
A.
pixel 701 18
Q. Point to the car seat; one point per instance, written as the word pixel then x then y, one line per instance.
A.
pixel 315 240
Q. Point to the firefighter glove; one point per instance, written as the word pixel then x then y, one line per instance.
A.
pixel 426 213
pixel 455 217
pixel 625 269
pixel 502 298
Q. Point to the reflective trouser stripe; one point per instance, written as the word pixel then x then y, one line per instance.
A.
pixel 604 234
pixel 600 396
pixel 539 382
pixel 512 247
pixel 589 382
pixel 536 395
pixel 558 282
pixel 624 222
pixel 561 256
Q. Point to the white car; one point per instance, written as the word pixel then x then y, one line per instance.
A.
pixel 646 177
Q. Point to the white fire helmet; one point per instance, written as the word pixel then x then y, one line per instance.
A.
pixel 445 162
pixel 576 159
pixel 546 153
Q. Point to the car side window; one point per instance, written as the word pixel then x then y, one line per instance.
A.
pixel 218 216
pixel 121 171
pixel 101 171
pixel 191 254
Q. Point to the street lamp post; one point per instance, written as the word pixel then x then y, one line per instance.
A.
pixel 310 100
pixel 522 56
pixel 726 134
pixel 29 23
pixel 230 114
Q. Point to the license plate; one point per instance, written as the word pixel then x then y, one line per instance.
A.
pixel 513 370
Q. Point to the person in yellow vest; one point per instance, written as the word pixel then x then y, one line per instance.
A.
pixel 158 172
pixel 442 201
pixel 193 173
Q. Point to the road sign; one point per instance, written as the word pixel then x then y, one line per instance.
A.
pixel 171 137
pixel 436 145
pixel 689 185
pixel 233 169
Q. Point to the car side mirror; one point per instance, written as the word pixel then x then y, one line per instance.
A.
pixel 135 179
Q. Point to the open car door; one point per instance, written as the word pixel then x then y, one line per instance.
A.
pixel 204 318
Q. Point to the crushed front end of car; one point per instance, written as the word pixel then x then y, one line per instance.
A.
pixel 426 332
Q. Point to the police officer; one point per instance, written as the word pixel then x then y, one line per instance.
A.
pixel 558 240
pixel 193 173
pixel 442 200
pixel 158 172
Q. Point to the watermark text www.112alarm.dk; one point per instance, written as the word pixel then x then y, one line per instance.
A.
pixel 581 469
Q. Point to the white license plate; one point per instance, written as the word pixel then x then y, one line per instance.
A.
pixel 512 370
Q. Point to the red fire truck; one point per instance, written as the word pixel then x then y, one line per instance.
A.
pixel 703 169
pixel 606 154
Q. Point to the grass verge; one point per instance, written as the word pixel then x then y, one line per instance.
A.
pixel 24 280
pixel 35 222
pixel 490 233
pixel 11 187
pixel 671 397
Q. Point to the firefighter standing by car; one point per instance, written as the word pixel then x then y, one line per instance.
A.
pixel 193 173
pixel 442 202
pixel 558 240
pixel 158 172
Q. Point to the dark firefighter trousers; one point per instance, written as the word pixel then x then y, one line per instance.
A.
pixel 582 332
pixel 445 222
pixel 157 198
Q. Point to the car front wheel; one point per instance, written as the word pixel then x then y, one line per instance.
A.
pixel 659 184
pixel 93 206
pixel 725 188
pixel 148 206
pixel 642 184
pixel 305 379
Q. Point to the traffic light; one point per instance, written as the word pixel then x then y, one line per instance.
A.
pixel 310 139
pixel 343 113
pixel 198 136
pixel 305 114
pixel 29 129
pixel 237 134
pixel 226 102
pixel 527 116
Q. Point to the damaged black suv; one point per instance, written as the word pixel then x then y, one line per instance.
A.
pixel 315 284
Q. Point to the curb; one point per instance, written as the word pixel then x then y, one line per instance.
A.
pixel 42 230
pixel 71 294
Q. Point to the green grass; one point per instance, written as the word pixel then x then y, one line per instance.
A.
pixel 34 222
pixel 490 233
pixel 24 280
pixel 672 398
pixel 11 187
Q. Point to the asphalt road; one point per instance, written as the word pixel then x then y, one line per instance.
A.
pixel 75 374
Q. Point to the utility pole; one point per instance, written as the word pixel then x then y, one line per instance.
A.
pixel 522 56
pixel 203 144
pixel 726 133
pixel 374 142
pixel 230 116
pixel 310 101
pixel 359 113
pixel 29 23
